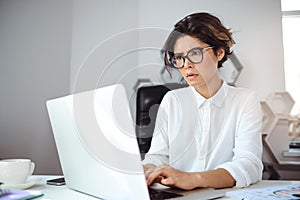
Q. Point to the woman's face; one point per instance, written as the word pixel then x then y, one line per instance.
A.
pixel 203 73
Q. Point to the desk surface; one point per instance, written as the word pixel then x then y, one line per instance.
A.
pixel 63 192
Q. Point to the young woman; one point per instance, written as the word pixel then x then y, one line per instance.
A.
pixel 207 134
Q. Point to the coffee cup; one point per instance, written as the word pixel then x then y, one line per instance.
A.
pixel 15 171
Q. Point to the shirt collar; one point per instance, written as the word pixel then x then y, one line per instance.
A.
pixel 217 99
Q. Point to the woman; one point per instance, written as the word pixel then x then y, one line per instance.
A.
pixel 208 134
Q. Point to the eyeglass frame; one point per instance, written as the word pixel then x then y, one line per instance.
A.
pixel 187 56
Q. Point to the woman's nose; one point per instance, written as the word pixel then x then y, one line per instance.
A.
pixel 188 64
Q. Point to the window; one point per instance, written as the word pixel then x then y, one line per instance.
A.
pixel 291 43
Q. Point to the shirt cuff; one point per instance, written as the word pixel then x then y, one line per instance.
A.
pixel 242 178
pixel 156 160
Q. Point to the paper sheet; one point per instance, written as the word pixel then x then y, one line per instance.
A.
pixel 286 192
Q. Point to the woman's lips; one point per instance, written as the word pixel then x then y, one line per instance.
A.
pixel 191 76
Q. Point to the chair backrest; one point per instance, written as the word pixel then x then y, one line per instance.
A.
pixel 148 101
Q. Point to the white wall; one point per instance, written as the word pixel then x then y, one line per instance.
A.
pixel 104 44
pixel 50 48
pixel 35 43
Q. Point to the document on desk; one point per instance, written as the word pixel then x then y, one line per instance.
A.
pixel 286 192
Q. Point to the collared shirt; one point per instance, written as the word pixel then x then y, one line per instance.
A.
pixel 195 134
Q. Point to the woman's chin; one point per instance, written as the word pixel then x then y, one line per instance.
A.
pixel 196 83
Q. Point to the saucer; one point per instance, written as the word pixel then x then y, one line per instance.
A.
pixel 29 183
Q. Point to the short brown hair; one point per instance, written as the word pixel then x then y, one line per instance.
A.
pixel 206 28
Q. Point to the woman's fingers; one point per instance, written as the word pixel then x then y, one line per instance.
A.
pixel 168 181
pixel 157 175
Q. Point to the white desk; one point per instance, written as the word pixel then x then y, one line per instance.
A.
pixel 64 193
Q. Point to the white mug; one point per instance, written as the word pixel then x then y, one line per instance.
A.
pixel 15 171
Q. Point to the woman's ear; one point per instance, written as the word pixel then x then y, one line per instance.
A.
pixel 220 53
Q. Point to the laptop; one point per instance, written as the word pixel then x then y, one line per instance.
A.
pixel 97 146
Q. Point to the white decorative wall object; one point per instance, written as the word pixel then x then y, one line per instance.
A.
pixel 269 118
pixel 281 103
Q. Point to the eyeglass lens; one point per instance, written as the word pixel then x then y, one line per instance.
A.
pixel 194 55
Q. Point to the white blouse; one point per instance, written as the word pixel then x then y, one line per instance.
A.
pixel 195 134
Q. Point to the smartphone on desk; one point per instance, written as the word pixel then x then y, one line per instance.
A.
pixel 56 181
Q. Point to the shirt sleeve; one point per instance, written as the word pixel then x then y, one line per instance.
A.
pixel 158 153
pixel 246 166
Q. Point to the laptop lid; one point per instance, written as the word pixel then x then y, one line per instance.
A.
pixel 96 143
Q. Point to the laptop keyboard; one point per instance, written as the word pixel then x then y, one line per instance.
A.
pixel 157 194
pixel 4 192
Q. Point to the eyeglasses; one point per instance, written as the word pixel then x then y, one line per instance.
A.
pixel 194 55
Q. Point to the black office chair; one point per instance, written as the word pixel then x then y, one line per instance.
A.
pixel 147 103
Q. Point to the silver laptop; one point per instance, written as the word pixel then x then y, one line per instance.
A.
pixel 97 147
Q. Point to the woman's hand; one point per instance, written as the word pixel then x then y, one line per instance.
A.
pixel 148 169
pixel 168 176
pixel 171 177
